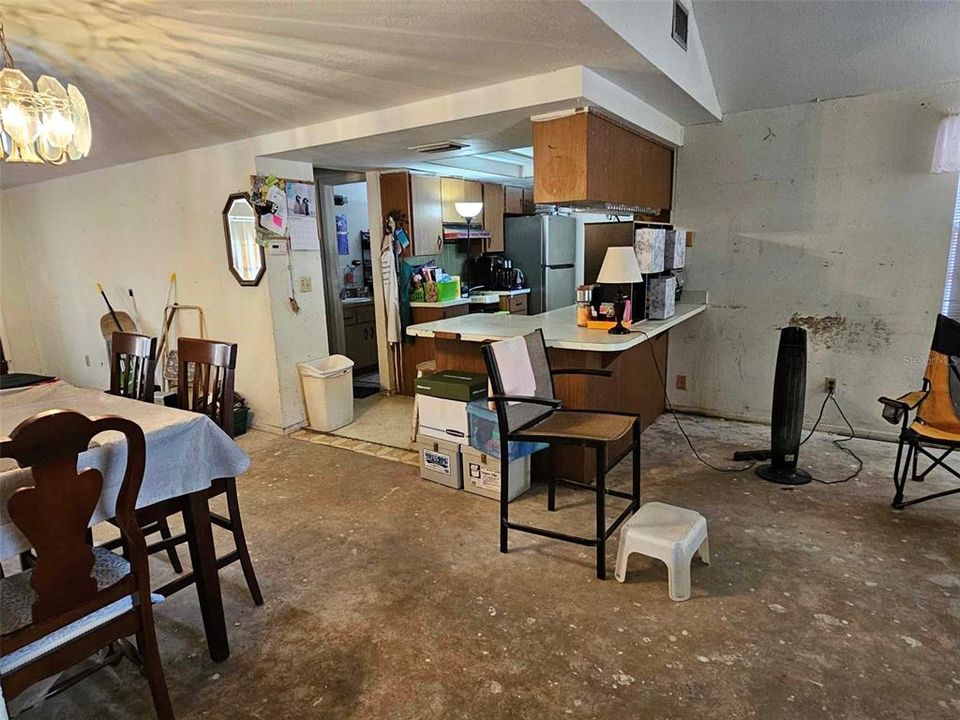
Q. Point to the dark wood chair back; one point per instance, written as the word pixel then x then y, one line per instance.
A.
pixel 205 379
pixel 55 512
pixel 133 364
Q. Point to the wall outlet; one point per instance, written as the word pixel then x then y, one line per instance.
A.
pixel 306 284
pixel 830 385
pixel 681 382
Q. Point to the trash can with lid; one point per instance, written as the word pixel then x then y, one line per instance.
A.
pixel 328 392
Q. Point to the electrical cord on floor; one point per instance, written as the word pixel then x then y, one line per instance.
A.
pixel 676 418
pixel 839 443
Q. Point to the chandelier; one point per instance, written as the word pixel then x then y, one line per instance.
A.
pixel 48 124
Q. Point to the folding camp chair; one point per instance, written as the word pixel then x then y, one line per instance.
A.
pixel 935 430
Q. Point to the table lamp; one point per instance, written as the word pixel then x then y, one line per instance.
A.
pixel 620 267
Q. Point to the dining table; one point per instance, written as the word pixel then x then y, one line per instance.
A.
pixel 185 453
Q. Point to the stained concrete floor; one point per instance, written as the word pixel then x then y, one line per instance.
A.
pixel 386 598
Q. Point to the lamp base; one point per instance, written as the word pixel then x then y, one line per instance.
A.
pixel 783 475
pixel 619 329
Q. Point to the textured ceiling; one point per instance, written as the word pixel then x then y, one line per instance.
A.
pixel 769 54
pixel 162 76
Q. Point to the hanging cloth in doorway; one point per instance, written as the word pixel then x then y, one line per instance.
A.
pixel 391 292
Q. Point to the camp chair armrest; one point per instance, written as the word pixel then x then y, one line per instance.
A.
pixel 531 399
pixel 906 402
pixel 898 409
pixel 582 371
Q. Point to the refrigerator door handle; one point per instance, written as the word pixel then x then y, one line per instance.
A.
pixel 565 266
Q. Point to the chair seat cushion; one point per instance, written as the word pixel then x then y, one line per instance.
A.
pixel 927 432
pixel 17 598
pixel 573 424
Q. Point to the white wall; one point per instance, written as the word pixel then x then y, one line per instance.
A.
pixel 822 212
pixel 301 336
pixel 130 226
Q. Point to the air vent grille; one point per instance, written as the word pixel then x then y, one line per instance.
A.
pixel 440 147
pixel 681 17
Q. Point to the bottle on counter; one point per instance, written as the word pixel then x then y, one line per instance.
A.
pixel 584 302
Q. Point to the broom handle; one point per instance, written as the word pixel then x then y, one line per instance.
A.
pixel 113 314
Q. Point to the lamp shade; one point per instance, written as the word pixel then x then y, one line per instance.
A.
pixel 620 267
pixel 468 209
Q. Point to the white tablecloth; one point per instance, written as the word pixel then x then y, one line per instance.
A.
pixel 185 451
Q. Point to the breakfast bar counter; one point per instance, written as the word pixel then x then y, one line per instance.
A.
pixel 637 364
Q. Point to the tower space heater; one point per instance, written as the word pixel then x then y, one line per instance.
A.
pixel 786 416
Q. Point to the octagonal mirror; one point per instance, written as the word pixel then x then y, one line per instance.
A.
pixel 245 258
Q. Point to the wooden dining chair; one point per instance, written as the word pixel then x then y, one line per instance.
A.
pixel 133 365
pixel 205 385
pixel 77 599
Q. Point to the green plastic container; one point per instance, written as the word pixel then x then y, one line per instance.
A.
pixel 448 290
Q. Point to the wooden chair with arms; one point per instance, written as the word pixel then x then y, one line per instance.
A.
pixel 205 385
pixel 133 365
pixel 539 418
pixel 77 599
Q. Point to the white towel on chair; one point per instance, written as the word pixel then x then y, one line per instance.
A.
pixel 516 370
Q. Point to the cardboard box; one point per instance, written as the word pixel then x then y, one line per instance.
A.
pixel 661 297
pixel 453 385
pixel 481 474
pixel 675 249
pixel 440 461
pixel 443 419
pixel 649 245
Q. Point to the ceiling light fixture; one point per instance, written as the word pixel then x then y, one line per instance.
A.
pixel 48 124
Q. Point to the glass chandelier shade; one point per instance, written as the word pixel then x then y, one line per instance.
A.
pixel 48 124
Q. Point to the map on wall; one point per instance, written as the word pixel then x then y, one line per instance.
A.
pixel 302 216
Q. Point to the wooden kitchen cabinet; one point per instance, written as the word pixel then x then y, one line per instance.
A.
pixel 514 304
pixel 360 335
pixel 427 214
pixel 416 200
pixel 587 159
pixel 454 190
pixel 493 202
pixel 513 200
pixel 451 191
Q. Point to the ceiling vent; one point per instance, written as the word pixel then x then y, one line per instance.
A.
pixel 440 147
pixel 681 17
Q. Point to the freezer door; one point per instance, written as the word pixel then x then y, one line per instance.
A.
pixel 559 240
pixel 559 287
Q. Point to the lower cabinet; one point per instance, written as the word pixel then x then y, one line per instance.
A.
pixel 360 334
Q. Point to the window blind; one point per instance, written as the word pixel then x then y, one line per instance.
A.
pixel 951 288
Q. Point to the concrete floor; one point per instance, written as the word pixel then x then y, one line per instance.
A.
pixel 387 598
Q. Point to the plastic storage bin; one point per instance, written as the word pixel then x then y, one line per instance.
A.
pixel 440 461
pixel 485 433
pixel 481 474
pixel 328 392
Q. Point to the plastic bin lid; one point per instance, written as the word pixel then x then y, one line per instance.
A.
pixel 327 367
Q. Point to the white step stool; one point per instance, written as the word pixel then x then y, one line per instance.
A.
pixel 670 534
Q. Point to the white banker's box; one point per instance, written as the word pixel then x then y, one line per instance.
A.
pixel 443 419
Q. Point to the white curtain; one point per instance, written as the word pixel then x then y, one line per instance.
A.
pixel 946 155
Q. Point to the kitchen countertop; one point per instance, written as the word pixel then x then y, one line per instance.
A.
pixel 482 298
pixel 559 327
pixel 356 300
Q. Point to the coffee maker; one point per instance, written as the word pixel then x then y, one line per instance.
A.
pixel 494 272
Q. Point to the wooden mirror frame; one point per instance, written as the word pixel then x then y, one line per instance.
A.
pixel 231 199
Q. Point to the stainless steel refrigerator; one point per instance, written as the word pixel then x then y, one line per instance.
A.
pixel 544 247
